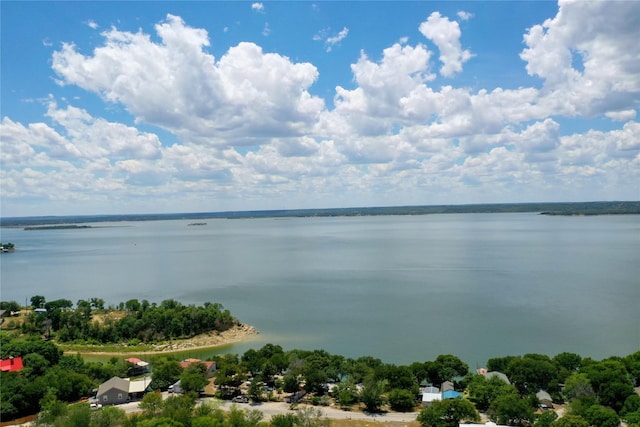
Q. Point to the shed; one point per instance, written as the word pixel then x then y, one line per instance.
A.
pixel 429 395
pixel 451 394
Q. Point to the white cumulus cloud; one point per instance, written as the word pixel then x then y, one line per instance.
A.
pixel 445 34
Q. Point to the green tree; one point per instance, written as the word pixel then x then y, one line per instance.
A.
pixel 600 416
pixel 371 394
pixel 37 301
pixel 151 404
pixel 483 391
pixel 193 378
pixel 511 410
pixel 10 306
pixel 346 393
pixel 50 409
pixel 570 421
pixel 446 367
pixel 79 415
pixel 256 390
pixel 165 372
pixel 448 413
pixel 546 419
pixel 109 416
pixel 402 400
pixel 578 386
pixel 283 420
pixel 311 417
pixel 179 408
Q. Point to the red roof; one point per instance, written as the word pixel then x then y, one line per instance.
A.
pixel 133 360
pixel 11 364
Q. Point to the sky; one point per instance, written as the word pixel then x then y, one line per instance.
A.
pixel 160 107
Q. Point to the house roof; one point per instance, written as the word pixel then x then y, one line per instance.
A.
pixel 118 383
pixel 431 390
pixel 139 386
pixel 500 375
pixel 137 362
pixel 543 395
pixel 12 364
pixel 446 386
pixel 451 394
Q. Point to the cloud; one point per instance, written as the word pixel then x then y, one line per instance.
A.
pixel 605 52
pixel 464 16
pixel 175 84
pixel 258 7
pixel 246 123
pixel 335 40
pixel 266 30
pixel 446 36
pixel 91 23
pixel 331 40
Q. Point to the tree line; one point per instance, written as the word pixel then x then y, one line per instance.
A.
pixel 133 320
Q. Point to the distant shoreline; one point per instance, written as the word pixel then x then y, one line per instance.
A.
pixel 555 209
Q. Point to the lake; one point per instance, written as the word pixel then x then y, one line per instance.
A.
pixel 400 288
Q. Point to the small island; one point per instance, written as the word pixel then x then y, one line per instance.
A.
pixel 58 227
pixel 7 247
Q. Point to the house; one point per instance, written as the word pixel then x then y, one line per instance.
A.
pixel 211 366
pixel 137 366
pixel 113 391
pixel 429 395
pixel 121 390
pixel 12 364
pixel 546 402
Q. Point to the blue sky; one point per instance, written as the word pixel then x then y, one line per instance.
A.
pixel 133 107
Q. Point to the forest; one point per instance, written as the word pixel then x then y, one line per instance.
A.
pixel 132 321
pixel 598 393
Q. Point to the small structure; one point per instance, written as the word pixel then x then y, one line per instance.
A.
pixel 137 366
pixel 12 364
pixel 446 386
pixel 138 388
pixel 211 366
pixel 546 402
pixel 429 395
pixel 113 391
pixel 491 374
pixel 451 394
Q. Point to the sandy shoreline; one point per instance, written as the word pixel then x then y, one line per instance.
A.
pixel 203 341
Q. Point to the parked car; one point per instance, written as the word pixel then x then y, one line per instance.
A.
pixel 95 405
pixel 240 399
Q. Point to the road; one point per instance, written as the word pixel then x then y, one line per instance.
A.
pixel 270 409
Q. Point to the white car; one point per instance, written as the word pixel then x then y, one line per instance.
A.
pixel 95 405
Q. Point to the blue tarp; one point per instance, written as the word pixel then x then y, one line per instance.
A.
pixel 451 394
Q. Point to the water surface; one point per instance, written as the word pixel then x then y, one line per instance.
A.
pixel 401 288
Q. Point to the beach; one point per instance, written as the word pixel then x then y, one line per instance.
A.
pixel 213 339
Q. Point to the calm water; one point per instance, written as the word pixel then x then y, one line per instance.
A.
pixel 401 288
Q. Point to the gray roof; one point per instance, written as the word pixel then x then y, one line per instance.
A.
pixel 543 395
pixel 115 382
pixel 500 375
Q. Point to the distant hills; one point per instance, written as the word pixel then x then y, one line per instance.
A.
pixel 569 208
